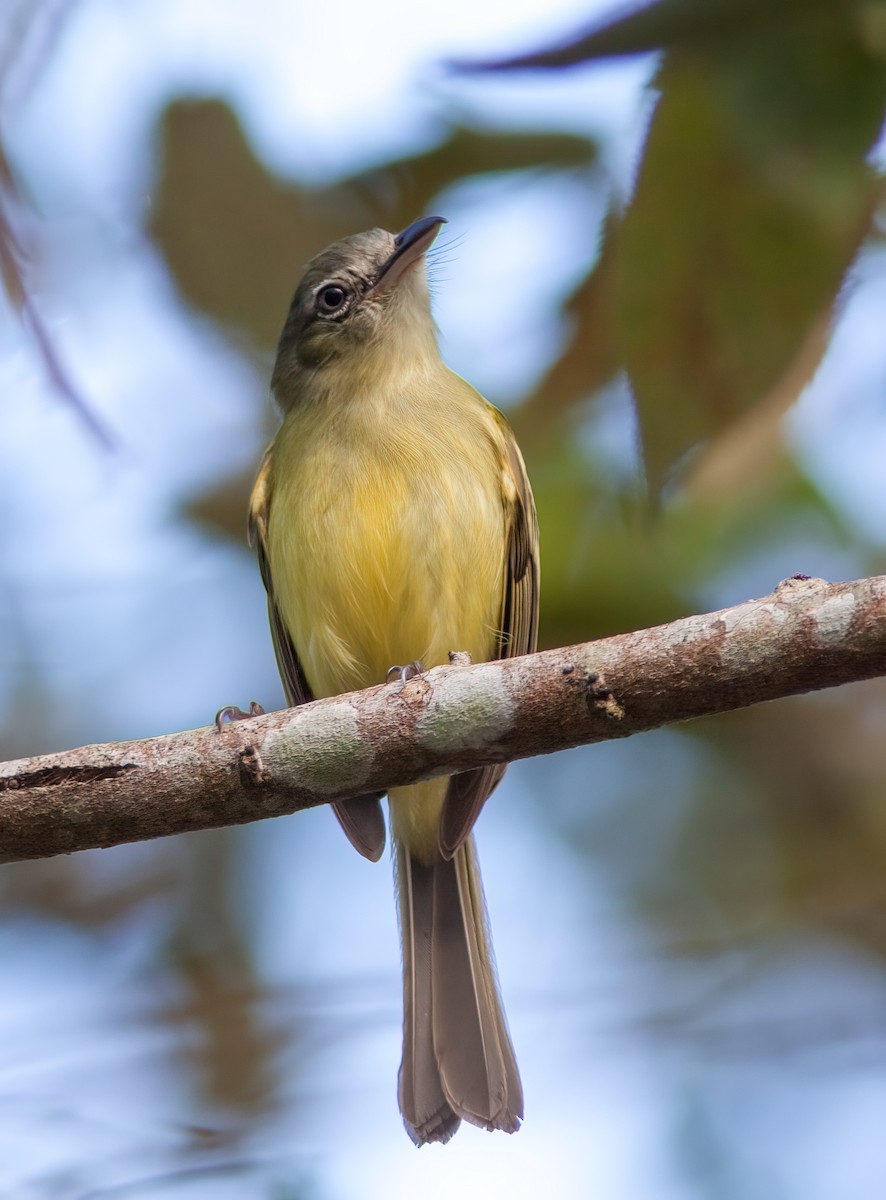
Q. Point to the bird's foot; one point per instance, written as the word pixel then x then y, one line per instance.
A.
pixel 404 674
pixel 231 713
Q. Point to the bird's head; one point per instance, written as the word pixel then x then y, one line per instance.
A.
pixel 362 295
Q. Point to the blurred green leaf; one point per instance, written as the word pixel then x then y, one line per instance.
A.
pixel 709 24
pixel 752 201
pixel 609 567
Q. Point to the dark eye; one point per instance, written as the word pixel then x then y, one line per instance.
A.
pixel 331 299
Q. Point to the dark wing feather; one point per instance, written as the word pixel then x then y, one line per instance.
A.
pixel 360 817
pixel 468 792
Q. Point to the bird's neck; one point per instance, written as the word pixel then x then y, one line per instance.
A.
pixel 399 365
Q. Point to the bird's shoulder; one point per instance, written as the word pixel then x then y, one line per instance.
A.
pixel 259 507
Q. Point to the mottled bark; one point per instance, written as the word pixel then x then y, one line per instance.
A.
pixel 807 635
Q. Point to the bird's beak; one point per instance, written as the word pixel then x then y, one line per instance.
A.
pixel 409 246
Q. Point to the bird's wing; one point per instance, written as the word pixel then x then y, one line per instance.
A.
pixel 295 686
pixel 468 791
pixel 360 817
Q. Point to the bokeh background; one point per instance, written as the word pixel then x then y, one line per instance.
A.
pixel 665 260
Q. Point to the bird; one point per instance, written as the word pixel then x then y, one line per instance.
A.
pixel 394 523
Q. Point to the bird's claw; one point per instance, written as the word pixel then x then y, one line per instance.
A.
pixel 404 674
pixel 231 713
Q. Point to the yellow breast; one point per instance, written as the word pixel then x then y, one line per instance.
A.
pixel 386 535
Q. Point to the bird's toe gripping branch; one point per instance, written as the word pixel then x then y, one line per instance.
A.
pixel 404 674
pixel 231 713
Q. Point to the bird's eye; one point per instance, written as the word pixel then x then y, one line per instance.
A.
pixel 332 299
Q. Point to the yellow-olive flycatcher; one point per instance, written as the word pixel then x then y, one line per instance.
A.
pixel 394 523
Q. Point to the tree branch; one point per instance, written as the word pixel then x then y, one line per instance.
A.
pixel 807 635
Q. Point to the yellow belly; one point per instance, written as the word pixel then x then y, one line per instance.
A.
pixel 386 545
pixel 383 549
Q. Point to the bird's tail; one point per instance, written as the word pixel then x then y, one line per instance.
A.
pixel 458 1061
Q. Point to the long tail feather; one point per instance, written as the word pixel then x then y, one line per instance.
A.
pixel 458 1061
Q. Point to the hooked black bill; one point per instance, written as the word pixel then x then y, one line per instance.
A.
pixel 410 244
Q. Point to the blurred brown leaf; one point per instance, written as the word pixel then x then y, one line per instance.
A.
pixel 817 769
pixel 223 508
pixel 589 358
pixel 235 1053
pixel 236 237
